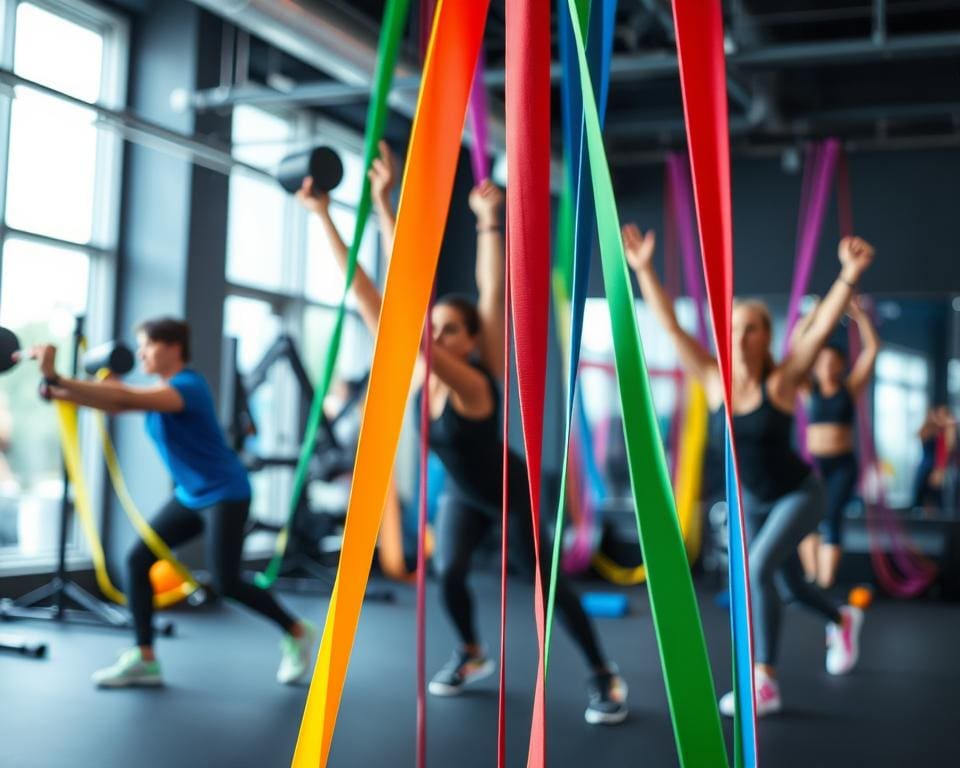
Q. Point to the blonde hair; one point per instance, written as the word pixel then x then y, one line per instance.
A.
pixel 754 305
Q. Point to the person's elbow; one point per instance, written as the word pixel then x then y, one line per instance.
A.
pixel 120 402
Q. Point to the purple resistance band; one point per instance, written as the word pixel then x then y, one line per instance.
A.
pixel 681 190
pixel 818 172
pixel 824 163
pixel 913 572
pixel 478 121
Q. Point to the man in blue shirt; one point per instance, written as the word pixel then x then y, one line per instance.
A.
pixel 211 492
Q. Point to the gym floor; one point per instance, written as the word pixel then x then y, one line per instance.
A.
pixel 222 707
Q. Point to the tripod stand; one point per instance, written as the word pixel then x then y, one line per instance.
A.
pixel 50 601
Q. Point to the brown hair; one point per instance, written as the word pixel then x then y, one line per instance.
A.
pixel 168 330
pixel 466 308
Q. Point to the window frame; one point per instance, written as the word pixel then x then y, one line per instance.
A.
pixel 292 304
pixel 102 248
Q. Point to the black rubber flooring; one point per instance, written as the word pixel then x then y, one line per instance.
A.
pixel 222 707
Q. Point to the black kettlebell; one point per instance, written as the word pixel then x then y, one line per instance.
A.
pixel 115 356
pixel 9 343
pixel 321 163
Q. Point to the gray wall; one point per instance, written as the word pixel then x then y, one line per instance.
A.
pixel 903 202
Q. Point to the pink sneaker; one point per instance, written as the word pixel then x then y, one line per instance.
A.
pixel 768 697
pixel 843 641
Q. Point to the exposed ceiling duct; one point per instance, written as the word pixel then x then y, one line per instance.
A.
pixel 334 43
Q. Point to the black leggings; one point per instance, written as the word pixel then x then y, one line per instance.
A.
pixel 839 475
pixel 461 527
pixel 177 524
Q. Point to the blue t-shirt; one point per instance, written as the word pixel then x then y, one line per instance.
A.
pixel 205 471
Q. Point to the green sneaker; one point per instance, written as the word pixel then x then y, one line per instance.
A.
pixel 129 670
pixel 296 653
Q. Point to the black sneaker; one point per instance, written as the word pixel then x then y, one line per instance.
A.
pixel 462 668
pixel 608 699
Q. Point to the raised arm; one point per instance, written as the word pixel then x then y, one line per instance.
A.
pixel 486 201
pixel 694 359
pixel 383 175
pixel 863 366
pixel 856 255
pixel 468 385
pixel 368 296
pixel 109 396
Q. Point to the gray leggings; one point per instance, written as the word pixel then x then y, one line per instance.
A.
pixel 774 529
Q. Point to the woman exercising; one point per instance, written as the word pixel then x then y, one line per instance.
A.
pixel 464 405
pixel 938 438
pixel 211 492
pixel 831 409
pixel 782 499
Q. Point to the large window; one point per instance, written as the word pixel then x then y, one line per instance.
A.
pixel 598 382
pixel 283 279
pixel 58 199
pixel 900 403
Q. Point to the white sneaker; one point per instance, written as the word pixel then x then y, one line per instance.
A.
pixel 462 669
pixel 296 655
pixel 767 693
pixel 843 641
pixel 129 670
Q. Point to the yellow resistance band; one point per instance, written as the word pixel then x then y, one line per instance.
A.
pixel 689 481
pixel 68 420
pixel 149 536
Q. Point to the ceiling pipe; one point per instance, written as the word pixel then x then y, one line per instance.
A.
pixel 335 44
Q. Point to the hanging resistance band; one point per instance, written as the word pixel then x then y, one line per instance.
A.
pixel 424 201
pixel 391 34
pixel 428 12
pixel 905 572
pixel 595 22
pixel 818 173
pixel 586 483
pixel 528 249
pixel 810 228
pixel 576 226
pixel 699 31
pixel 426 345
pixel 910 573
pixel 683 655
pixel 504 519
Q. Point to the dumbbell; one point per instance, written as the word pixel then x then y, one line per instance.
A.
pixel 115 356
pixel 321 163
pixel 9 343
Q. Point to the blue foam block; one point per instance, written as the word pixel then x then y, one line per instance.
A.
pixel 607 605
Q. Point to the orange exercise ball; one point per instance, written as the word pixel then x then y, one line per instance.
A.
pixel 860 597
pixel 164 577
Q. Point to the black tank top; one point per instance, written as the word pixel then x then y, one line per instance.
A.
pixel 471 451
pixel 836 409
pixel 769 467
